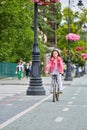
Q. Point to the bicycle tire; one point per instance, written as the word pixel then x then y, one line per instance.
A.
pixel 57 96
pixel 54 93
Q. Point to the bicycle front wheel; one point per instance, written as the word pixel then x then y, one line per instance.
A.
pixel 54 93
pixel 57 96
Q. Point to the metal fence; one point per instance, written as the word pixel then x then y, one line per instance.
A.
pixel 7 69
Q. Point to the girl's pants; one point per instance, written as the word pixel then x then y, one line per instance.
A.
pixel 59 83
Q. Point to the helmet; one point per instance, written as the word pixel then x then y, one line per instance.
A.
pixel 55 49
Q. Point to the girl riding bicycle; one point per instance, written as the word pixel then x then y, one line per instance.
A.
pixel 55 67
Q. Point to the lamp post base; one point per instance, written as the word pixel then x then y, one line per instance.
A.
pixel 68 78
pixel 77 74
pixel 35 87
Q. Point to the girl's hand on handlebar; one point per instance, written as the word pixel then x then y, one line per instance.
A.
pixel 47 73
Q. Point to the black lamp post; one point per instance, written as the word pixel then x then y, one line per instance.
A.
pixel 84 28
pixel 77 74
pixel 55 36
pixel 35 87
pixel 54 26
pixel 68 76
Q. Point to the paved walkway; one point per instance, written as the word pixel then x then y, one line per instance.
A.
pixel 25 81
pixel 21 112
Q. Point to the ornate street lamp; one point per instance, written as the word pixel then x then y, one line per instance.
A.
pixel 68 70
pixel 78 49
pixel 68 76
pixel 84 28
pixel 36 87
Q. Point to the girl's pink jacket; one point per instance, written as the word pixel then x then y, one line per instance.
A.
pixel 51 64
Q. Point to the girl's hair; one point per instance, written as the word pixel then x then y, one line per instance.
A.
pixel 56 51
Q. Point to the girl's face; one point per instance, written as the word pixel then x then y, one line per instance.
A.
pixel 55 54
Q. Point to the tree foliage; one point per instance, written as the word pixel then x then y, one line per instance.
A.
pixel 16 30
pixel 77 19
pixel 16 35
pixel 47 17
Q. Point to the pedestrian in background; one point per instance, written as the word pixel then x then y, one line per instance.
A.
pixel 27 70
pixel 30 66
pixel 55 66
pixel 22 65
pixel 19 70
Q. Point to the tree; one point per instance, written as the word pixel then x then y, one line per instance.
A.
pixel 16 30
pixel 48 16
pixel 16 35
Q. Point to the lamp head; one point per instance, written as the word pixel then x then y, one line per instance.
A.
pixel 80 4
pixel 84 27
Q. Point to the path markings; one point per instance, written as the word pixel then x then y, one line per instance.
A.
pixel 23 112
pixel 65 109
pixel 73 97
pixel 59 119
pixel 70 102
